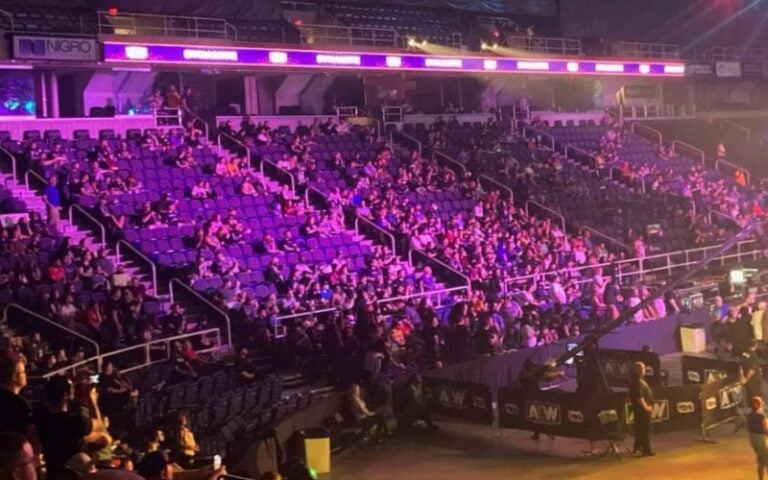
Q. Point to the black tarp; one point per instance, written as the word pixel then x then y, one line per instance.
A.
pixel 720 400
pixel 463 400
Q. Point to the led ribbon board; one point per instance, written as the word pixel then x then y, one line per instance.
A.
pixel 115 52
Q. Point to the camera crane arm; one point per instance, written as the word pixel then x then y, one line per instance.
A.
pixel 675 282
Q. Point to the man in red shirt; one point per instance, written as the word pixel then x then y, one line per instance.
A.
pixel 56 272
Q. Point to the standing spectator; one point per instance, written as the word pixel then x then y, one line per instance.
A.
pixel 750 372
pixel 17 459
pixel 172 98
pixel 722 152
pixel 16 413
pixel 186 446
pixel 641 397
pixel 62 432
pixel 53 202
pixel 188 100
pixel 757 426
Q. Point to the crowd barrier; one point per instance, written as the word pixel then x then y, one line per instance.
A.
pixel 701 370
pixel 662 336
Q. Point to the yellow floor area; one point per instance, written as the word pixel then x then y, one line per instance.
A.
pixel 467 452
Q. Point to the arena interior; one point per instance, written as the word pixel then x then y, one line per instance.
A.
pixel 357 239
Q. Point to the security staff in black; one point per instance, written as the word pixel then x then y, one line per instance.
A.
pixel 751 373
pixel 641 398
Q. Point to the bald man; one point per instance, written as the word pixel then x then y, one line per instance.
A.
pixel 641 398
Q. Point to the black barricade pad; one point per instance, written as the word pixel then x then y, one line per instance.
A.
pixel 468 401
pixel 563 414
pixel 617 365
pixel 673 409
pixel 719 400
pixel 701 370
pixel 566 414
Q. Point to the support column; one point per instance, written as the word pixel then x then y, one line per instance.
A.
pixel 54 85
pixel 43 94
pixel 251 89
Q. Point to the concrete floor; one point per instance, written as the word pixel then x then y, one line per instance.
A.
pixel 469 452
pixel 462 451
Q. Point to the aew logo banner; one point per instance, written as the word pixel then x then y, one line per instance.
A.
pixel 700 370
pixel 720 400
pixel 673 409
pixel 55 48
pixel 463 400
pixel 564 414
pixel 617 366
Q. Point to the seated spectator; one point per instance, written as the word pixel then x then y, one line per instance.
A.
pixel 414 404
pixel 364 417
pixel 244 367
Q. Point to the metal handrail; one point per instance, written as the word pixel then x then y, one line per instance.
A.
pixel 133 249
pixel 561 45
pixel 142 346
pixel 444 265
pixel 91 218
pixel 747 130
pixel 747 173
pixel 50 322
pixel 204 300
pixel 635 125
pixel 718 213
pixel 638 262
pixel 347 35
pixel 607 237
pixel 451 160
pixel 165 29
pixel 428 293
pixel 33 173
pixel 12 158
pixel 499 185
pixel 546 209
pixel 306 314
pixel 245 147
pixel 167 342
pixel 169 116
pixel 409 137
pixel 197 118
pixel 700 152
pixel 391 237
pixel 312 189
pixel 544 134
pixel 290 175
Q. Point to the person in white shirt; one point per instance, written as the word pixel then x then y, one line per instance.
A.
pixel 557 292
pixel 634 300
pixel 758 321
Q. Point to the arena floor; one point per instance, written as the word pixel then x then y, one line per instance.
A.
pixel 468 452
pixel 462 451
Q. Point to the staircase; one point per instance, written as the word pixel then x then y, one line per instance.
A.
pixel 36 203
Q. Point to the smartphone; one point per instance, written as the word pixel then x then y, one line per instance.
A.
pixel 216 462
pixel 94 379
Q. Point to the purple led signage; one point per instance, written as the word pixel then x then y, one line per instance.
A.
pixel 295 58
